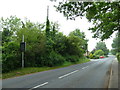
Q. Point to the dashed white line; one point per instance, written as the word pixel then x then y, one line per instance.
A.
pixel 85 67
pixel 39 85
pixel 68 74
pixel 58 77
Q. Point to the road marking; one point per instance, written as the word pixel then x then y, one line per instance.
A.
pixel 39 85
pixel 68 74
pixel 85 67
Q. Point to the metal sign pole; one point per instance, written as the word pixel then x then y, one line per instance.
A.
pixel 23 54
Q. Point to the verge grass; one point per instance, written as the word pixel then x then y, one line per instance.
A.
pixel 31 70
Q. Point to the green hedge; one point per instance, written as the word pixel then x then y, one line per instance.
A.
pixel 52 59
pixel 93 56
pixel 118 56
pixel 72 58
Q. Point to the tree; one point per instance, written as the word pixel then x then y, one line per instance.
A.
pixel 115 45
pixel 80 35
pixel 60 43
pixel 10 26
pixel 12 36
pixel 102 46
pixel 35 43
pixel 47 24
pixel 57 47
pixel 104 15
pixel 75 43
pixel 113 51
pixel 99 52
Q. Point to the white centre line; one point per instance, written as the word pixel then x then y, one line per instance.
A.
pixel 39 85
pixel 85 67
pixel 68 74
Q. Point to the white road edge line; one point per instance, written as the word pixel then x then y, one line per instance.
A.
pixel 39 85
pixel 68 74
pixel 85 67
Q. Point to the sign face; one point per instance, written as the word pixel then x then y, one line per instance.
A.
pixel 22 46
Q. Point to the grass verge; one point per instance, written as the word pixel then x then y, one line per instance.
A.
pixel 30 70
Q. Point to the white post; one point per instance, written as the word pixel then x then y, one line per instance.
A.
pixel 23 54
pixel 23 38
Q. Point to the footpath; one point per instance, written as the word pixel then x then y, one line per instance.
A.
pixel 115 75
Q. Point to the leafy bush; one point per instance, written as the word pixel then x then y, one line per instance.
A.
pixel 53 59
pixel 11 63
pixel 118 56
pixel 99 52
pixel 91 56
pixel 10 57
pixel 43 47
pixel 96 56
pixel 72 58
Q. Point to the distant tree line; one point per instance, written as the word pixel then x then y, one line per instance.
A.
pixel 45 45
pixel 100 50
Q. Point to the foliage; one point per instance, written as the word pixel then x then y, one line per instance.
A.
pixel 103 47
pixel 42 49
pixel 104 15
pixel 60 43
pixel 118 56
pixel 95 56
pixel 113 51
pixel 29 70
pixel 76 43
pixel 10 57
pixel 81 35
pixel 9 26
pixel 99 53
pixel 91 56
pixel 54 59
pixel 72 58
pixel 116 44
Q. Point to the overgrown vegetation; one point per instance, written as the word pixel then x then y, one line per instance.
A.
pixel 45 45
pixel 96 54
pixel 100 50
pixel 116 46
pixel 118 56
pixel 104 15
pixel 29 70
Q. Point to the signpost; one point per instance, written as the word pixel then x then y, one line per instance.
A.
pixel 22 49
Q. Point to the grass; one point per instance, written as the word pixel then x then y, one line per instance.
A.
pixel 30 70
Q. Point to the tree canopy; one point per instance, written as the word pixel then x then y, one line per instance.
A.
pixel 116 45
pixel 104 15
pixel 39 43
pixel 102 46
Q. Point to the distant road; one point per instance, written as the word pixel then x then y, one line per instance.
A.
pixel 93 74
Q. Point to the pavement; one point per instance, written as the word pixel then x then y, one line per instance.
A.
pixel 113 82
pixel 93 74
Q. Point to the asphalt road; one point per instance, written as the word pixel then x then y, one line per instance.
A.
pixel 93 74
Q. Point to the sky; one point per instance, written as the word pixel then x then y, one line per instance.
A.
pixel 36 11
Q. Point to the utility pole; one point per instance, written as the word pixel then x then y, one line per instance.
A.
pixel 22 49
pixel 23 53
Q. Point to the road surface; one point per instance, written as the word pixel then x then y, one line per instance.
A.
pixel 93 74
